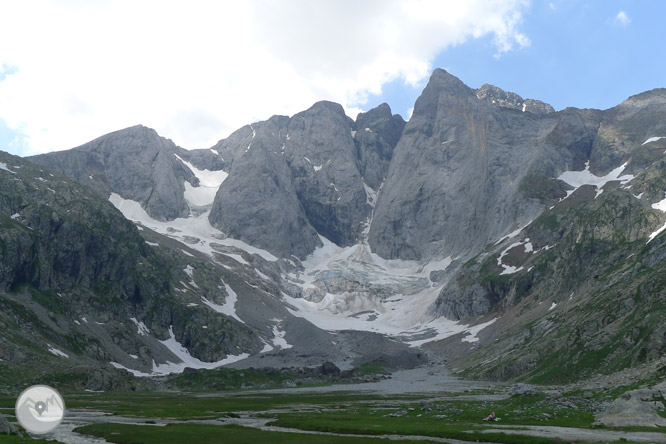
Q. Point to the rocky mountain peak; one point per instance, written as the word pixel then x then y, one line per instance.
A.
pixel 507 99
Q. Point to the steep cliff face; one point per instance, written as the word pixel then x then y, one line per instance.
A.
pixel 258 203
pixel 376 134
pixel 303 176
pixel 455 178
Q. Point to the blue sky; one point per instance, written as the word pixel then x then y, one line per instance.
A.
pixel 580 55
pixel 195 73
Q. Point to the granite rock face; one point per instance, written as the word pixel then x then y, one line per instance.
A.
pixel 455 178
pixel 137 164
pixel 258 203
pixel 292 179
pixel 376 134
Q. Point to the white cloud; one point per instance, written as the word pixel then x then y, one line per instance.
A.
pixel 197 70
pixel 622 19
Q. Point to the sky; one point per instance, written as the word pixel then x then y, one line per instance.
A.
pixel 195 71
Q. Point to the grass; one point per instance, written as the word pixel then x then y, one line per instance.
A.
pixel 212 434
pixel 212 405
pixel 451 419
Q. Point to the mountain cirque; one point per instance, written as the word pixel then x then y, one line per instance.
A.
pixel 489 229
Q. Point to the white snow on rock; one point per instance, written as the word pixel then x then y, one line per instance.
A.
pixel 189 271
pixel 552 307
pixel 57 352
pixel 185 227
pixel 514 233
pixel 188 360
pixel 184 356
pixel 3 166
pixel 134 372
pixel 656 233
pixel 209 182
pixel 237 257
pixel 473 331
pixel 141 327
pixel 133 356
pixel 153 244
pixel 653 139
pixel 510 269
pixel 263 276
pixel 229 307
pixel 661 205
pixel 278 338
pixel 579 178
pixel 317 168
pixel 16 216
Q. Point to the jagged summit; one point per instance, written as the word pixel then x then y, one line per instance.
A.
pixel 499 97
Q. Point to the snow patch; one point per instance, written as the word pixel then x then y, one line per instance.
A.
pixel 473 331
pixel 16 216
pixel 189 271
pixel 552 307
pixel 652 139
pixel 317 168
pixel 237 257
pixel 133 356
pixel 229 307
pixel 209 183
pixel 278 338
pixel 183 229
pixel 57 352
pixel 187 359
pixel 661 205
pixel 656 233
pixel 153 244
pixel 142 330
pixel 3 166
pixel 579 178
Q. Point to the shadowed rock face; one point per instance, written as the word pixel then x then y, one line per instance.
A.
pixel 376 134
pixel 257 203
pixel 291 179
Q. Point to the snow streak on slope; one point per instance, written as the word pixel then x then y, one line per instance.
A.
pixel 352 288
pixel 187 360
pixel 185 229
pixel 229 307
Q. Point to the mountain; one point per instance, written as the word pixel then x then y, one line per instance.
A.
pixel 489 230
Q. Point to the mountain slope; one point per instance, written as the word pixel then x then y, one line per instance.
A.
pixel 490 228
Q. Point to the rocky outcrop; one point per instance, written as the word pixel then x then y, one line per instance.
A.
pixel 292 179
pixel 454 181
pixel 322 159
pixel 258 202
pixel 137 164
pixel 634 408
pixel 504 99
pixel 376 133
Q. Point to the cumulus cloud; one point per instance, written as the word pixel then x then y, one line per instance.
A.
pixel 622 19
pixel 195 71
